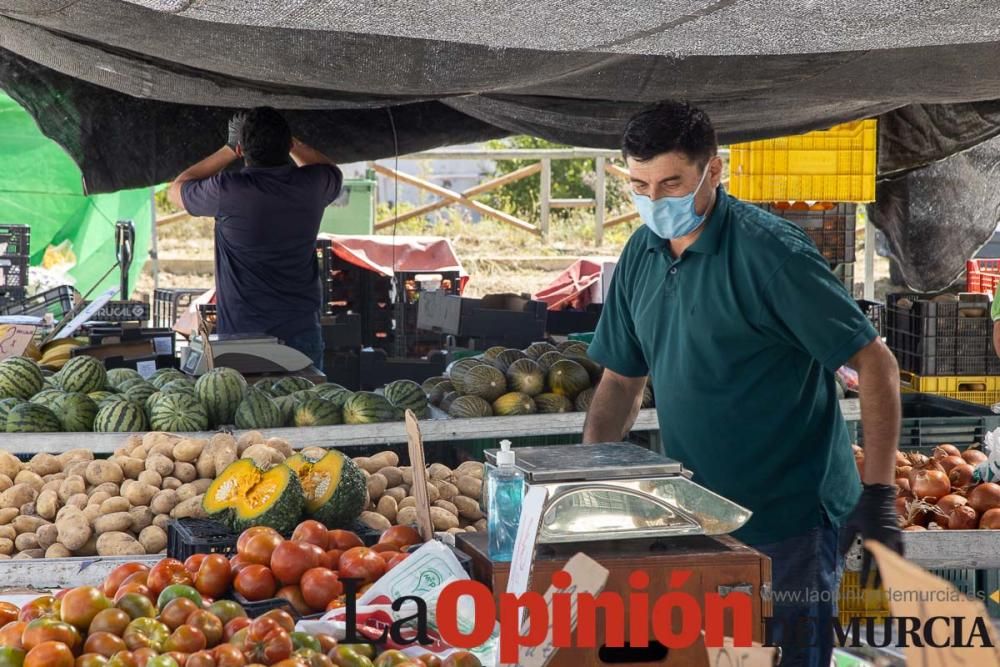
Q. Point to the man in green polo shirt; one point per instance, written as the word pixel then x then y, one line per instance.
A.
pixel 740 324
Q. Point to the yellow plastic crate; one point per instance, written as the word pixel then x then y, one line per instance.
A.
pixel 835 165
pixel 981 389
pixel 855 602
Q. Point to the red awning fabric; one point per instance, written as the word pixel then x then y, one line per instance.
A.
pixel 387 254
pixel 572 288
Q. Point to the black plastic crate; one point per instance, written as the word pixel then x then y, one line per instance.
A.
pixel 187 537
pixel 15 240
pixel 57 301
pixel 378 368
pixel 170 302
pixel 832 227
pixel 566 322
pixel 875 312
pixel 931 338
pixel 13 272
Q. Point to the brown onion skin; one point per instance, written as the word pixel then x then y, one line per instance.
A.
pixel 961 475
pixel 947 450
pixel 974 456
pixel 901 505
pixel 901 459
pixel 984 497
pixel 990 519
pixel 947 504
pixel 903 486
pixel 949 462
pixel 914 527
pixel 963 517
pixel 929 485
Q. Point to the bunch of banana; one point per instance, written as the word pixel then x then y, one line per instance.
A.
pixel 56 353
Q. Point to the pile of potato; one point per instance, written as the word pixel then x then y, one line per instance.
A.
pixel 73 505
pixel 454 494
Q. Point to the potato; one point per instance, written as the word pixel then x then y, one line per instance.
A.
pixel 188 450
pixel 468 508
pixel 375 521
pixel 26 541
pixel 407 473
pixel 263 456
pixel 92 512
pixel 165 448
pixel 47 535
pixel 162 520
pixel 408 501
pixel 247 439
pixel 6 546
pixel 101 472
pixel 140 452
pixel 388 508
pixel 480 525
pixel 470 486
pixel 387 458
pixel 115 522
pixel 393 475
pixel 31 479
pixel 116 504
pixel 376 486
pixel 446 490
pixel 187 491
pixel 109 488
pixel 5 483
pixel 57 550
pixel 89 548
pixel 131 466
pixel 27 524
pixel 79 501
pixel 200 484
pixel 99 498
pixel 141 517
pixel 190 508
pixel 439 471
pixel 18 495
pixel 52 486
pixel 76 469
pixel 10 465
pixel 172 483
pixel 47 504
pixel 444 504
pixel 74 530
pixel 396 494
pixel 281 445
pixel 155 439
pixel 153 539
pixel 44 464
pixel 159 464
pixel 442 519
pixel 164 501
pixel 119 544
pixel 225 454
pixel 205 465
pixel 432 493
pixel 71 455
pixel 28 509
pixel 185 472
pixel 7 514
pixel 8 532
pixel 131 443
pixel 151 478
pixel 470 469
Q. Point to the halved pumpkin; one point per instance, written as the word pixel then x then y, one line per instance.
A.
pixel 334 487
pixel 245 495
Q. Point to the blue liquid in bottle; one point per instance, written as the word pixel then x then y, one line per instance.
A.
pixel 505 495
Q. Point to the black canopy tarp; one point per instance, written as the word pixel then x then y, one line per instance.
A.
pixel 137 89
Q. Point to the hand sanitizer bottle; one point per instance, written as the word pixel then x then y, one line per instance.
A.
pixel 505 494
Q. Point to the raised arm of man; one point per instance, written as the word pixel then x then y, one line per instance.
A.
pixel 305 155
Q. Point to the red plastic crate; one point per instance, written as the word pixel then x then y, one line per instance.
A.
pixel 982 275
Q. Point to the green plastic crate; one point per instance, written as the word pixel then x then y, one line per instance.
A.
pixel 587 337
pixel 353 212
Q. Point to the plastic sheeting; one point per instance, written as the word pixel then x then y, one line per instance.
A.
pixel 572 287
pixel 388 254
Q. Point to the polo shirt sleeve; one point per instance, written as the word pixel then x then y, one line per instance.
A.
pixel 807 306
pixel 615 344
pixel 201 197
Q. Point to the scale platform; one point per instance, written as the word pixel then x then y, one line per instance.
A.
pixel 250 354
pixel 619 490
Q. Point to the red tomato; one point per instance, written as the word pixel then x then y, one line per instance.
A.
pixel 237 563
pixel 344 540
pixel 43 630
pixel 123 659
pixel 227 655
pixel 401 537
pixel 8 613
pixel 267 642
pixel 141 578
pixel 361 563
pixel 79 606
pixel 250 532
pixel 282 618
pixel 313 532
pixel 138 589
pixel 39 607
pixel 186 639
pixel 111 620
pixel 319 586
pixel 104 643
pixel 337 603
pixel 179 658
pixel 143 656
pixel 214 577
pixel 234 626
pixel 168 571
pixel 387 555
pixel 193 562
pixel 49 654
pixel 330 559
pixel 255 582
pixel 201 659
pixel 119 575
pixel 258 548
pixel 136 605
pixel 176 612
pixel 90 660
pixel 10 634
pixel 396 560
pixel 209 624
pixel 290 560
pixel 294 596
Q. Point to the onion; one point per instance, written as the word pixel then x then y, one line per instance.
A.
pixel 974 456
pixel 990 519
pixel 946 450
pixel 960 475
pixel 901 459
pixel 984 497
pixel 901 505
pixel 962 517
pixel 915 527
pixel 917 460
pixel 947 504
pixel 949 462
pixel 903 471
pixel 929 484
pixel 903 486
pixel 934 526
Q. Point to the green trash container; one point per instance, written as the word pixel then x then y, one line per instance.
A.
pixel 353 212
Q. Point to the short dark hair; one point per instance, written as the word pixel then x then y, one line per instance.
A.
pixel 266 137
pixel 670 126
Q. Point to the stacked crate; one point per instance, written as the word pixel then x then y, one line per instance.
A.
pixel 15 243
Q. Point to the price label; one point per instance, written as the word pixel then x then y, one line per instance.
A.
pixel 146 368
pixel 162 345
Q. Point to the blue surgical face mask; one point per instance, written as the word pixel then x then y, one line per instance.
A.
pixel 670 217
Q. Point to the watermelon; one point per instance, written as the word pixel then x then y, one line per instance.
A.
pixel 258 410
pixel 118 376
pixel 47 397
pixel 77 412
pixel 83 374
pixel 406 395
pixel 289 385
pixel 436 391
pixel 583 399
pixel 162 376
pixel 286 405
pixel 178 386
pixel 327 389
pixel 552 403
pixel 336 396
pixel 536 350
pixel 121 416
pixel 265 385
pixel 366 407
pixel 546 360
pixel 318 412
pixel 514 403
pixel 525 376
pixel 221 392
pixel 32 418
pixel 486 382
pixel 111 398
pixel 6 404
pixel 301 396
pixel 138 392
pixel 506 358
pixel 178 413
pixel 20 378
pixel 470 406
pixel 568 378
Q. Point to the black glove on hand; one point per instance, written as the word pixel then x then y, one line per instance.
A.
pixel 874 518
pixel 236 130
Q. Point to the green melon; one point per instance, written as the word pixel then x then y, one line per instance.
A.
pixel 486 382
pixel 162 376
pixel 221 392
pixel 525 376
pixel 546 360
pixel 366 407
pixel 568 378
pixel 457 370
pixel 318 412
pixel 289 385
pixel 437 390
pixel 83 374
pixel 507 357
pixel 406 395
pixel 594 369
pixel 178 413
pixel 514 403
pixel 583 400
pixel 32 418
pixel 572 346
pixel 20 378
pixel 553 403
pixel 470 406
pixel 77 412
pixel 536 350
pixel 118 376
pixel 448 399
pixel 121 416
pixel 334 487
pixel 493 352
pixel 647 398
pixel 258 410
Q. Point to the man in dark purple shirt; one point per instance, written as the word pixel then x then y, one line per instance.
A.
pixel 267 216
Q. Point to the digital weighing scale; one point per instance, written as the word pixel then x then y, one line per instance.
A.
pixel 617 490
pixel 250 354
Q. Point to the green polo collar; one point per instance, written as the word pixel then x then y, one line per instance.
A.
pixel 711 233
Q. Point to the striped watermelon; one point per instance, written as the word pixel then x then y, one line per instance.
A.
pixel 486 382
pixel 178 386
pixel 470 406
pixel 318 412
pixel 164 375
pixel 20 378
pixel 327 389
pixel 139 392
pixel 221 391
pixel 178 413
pixel 77 412
pixel 336 396
pixel 111 398
pixel 32 418
pixel 118 376
pixel 83 374
pixel 47 397
pixel 289 385
pixel 265 385
pixel 366 407
pixel 301 396
pixel 120 416
pixel 406 395
pixel 287 406
pixel 258 410
pixel 6 405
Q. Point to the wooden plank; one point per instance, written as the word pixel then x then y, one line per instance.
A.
pixel 545 196
pixel 54 573
pixel 619 219
pixel 572 203
pixel 964 549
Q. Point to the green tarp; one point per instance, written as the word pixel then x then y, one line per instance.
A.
pixel 42 187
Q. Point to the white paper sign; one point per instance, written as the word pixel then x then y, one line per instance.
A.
pixel 86 314
pixel 527 533
pixel 146 368
pixel 162 345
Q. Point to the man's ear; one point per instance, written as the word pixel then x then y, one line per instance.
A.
pixel 239 151
pixel 715 170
